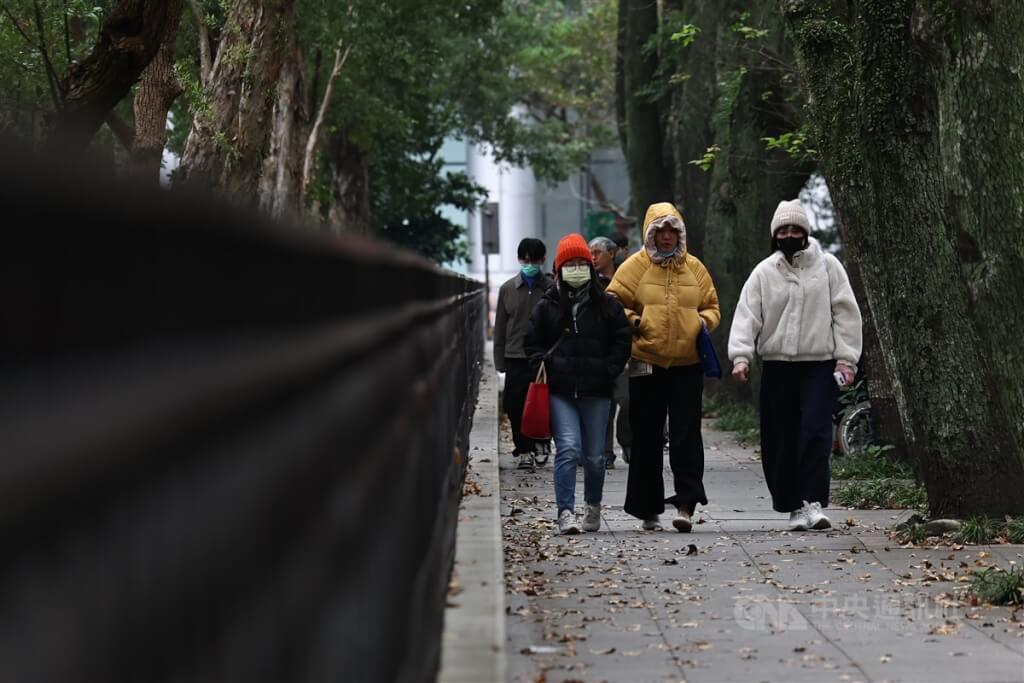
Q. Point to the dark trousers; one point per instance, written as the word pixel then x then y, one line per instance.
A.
pixel 518 376
pixel 618 419
pixel 796 431
pixel 677 392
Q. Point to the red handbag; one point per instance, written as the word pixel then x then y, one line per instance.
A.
pixel 536 420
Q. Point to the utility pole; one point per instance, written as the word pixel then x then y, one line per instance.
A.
pixel 491 244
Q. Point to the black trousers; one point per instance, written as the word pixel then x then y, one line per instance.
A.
pixel 796 431
pixel 677 392
pixel 517 381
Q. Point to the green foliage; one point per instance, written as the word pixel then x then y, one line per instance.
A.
pixel 915 534
pixel 978 530
pixel 685 35
pixel 1015 530
pixel 998 586
pixel 872 464
pixel 706 161
pixel 532 79
pixel 747 32
pixel 34 57
pixel 735 417
pixel 888 492
pixel 794 143
pixel 407 208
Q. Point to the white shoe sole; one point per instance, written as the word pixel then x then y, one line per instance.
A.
pixel 822 523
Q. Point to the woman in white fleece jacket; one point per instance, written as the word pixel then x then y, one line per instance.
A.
pixel 798 312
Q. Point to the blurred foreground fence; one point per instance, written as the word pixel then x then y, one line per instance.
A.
pixel 228 452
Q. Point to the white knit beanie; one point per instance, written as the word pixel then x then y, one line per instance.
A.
pixel 790 213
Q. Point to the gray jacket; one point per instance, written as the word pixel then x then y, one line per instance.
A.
pixel 512 317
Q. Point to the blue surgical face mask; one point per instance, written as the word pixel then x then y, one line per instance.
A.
pixel 530 269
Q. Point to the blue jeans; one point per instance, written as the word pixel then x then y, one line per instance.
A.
pixel 578 426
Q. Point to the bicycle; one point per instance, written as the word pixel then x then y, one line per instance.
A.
pixel 853 434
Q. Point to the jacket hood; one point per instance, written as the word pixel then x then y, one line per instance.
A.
pixel 658 216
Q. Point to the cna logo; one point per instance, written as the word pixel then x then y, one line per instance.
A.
pixel 761 613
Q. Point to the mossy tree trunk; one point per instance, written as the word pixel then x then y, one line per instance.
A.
pixel 693 100
pixel 732 91
pixel 650 176
pixel 230 136
pixel 916 106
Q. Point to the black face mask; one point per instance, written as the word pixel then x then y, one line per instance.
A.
pixel 791 245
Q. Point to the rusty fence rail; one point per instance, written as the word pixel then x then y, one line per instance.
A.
pixel 228 452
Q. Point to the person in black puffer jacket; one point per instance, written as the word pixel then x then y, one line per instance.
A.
pixel 583 337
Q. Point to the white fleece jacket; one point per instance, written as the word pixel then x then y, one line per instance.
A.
pixel 804 311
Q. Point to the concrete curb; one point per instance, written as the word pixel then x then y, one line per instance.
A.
pixel 473 646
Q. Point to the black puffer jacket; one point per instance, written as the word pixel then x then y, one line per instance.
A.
pixel 592 354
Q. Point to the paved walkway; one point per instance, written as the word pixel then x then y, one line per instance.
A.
pixel 740 598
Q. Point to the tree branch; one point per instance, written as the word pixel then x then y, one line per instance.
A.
pixel 314 134
pixel 205 59
pixel 52 78
pixel 128 41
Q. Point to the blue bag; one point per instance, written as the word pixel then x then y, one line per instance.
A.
pixel 708 359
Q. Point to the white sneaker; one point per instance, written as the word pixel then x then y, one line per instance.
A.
pixel 651 524
pixel 682 522
pixel 567 522
pixel 816 519
pixel 798 520
pixel 592 518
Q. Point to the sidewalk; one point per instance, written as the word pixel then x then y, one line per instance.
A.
pixel 740 598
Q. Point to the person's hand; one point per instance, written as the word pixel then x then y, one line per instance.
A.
pixel 741 372
pixel 848 375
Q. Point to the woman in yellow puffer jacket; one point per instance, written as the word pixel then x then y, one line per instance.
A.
pixel 668 295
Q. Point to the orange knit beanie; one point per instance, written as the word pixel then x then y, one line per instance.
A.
pixel 570 247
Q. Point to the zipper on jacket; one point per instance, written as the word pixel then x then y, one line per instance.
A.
pixel 576 328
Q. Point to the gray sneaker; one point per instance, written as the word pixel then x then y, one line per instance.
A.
pixel 682 523
pixel 567 522
pixel 592 518
pixel 527 461
pixel 651 524
pixel 798 520
pixel 816 519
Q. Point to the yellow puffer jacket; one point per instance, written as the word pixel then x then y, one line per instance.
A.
pixel 665 303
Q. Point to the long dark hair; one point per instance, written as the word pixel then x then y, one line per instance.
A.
pixel 598 299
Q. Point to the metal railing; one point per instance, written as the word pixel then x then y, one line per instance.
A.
pixel 228 452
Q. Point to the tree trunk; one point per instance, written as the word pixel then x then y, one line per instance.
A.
pixel 650 178
pixel 128 41
pixel 156 93
pixel 620 84
pixel 916 108
pixel 229 140
pixel 280 188
pixel 747 183
pixel 692 105
pixel 350 187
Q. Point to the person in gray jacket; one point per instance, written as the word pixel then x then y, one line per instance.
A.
pixel 516 300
